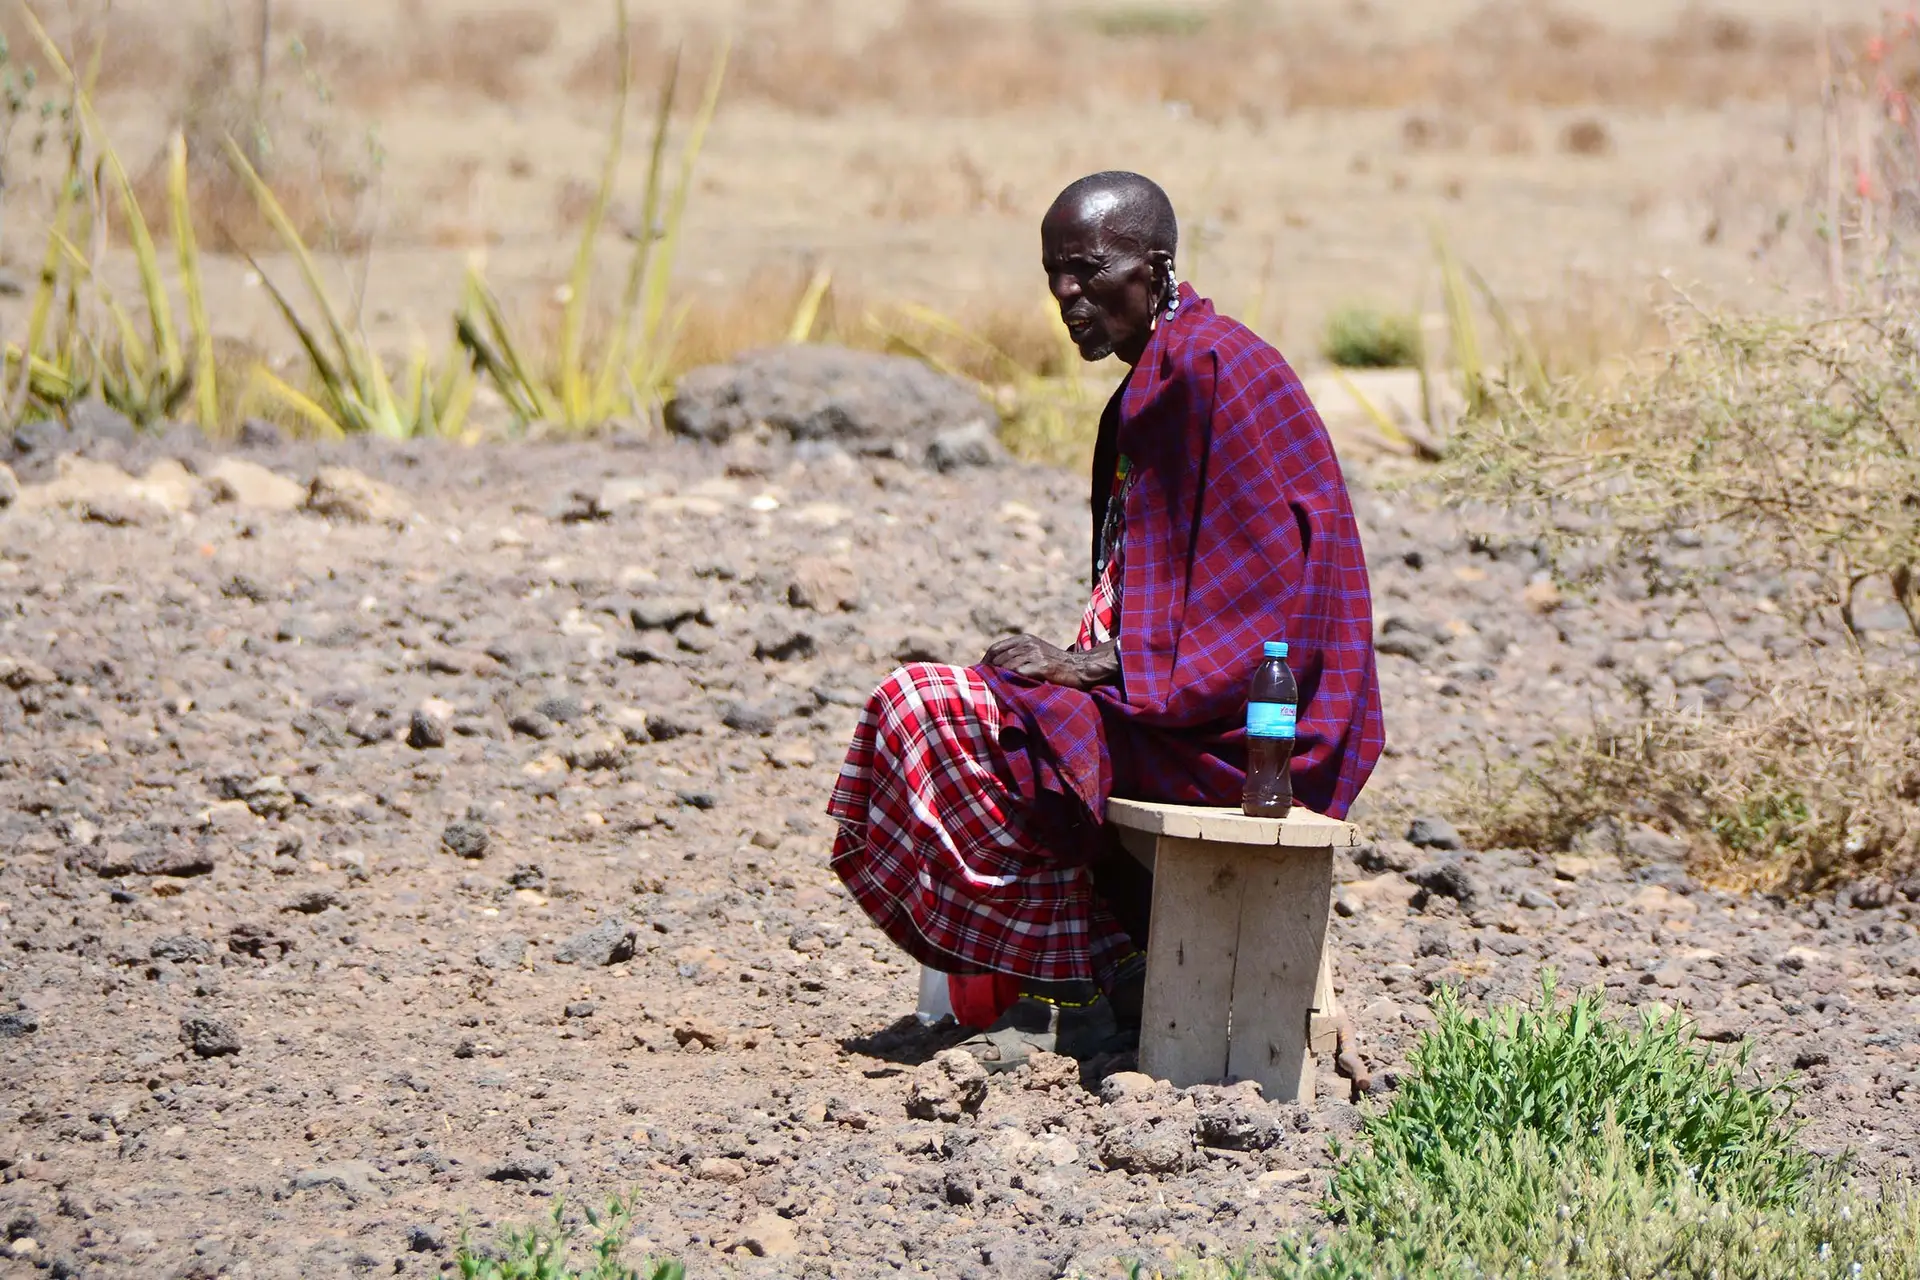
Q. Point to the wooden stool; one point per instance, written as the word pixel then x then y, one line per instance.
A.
pixel 1238 980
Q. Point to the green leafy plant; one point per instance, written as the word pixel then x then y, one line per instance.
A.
pixel 575 387
pixel 1564 1074
pixel 546 1251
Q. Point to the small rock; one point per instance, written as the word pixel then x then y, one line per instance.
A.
pixel 15 1025
pixel 1051 1071
pixel 1542 595
pixel 768 1235
pixel 1429 832
pixel 341 493
pixel 580 1009
pixel 510 952
pixel 1239 1125
pixel 269 796
pixel 176 858
pixel 920 646
pixel 1447 880
pixel 1807 1059
pixel 354 1177
pixel 746 717
pixel 1534 900
pixel 122 510
pixel 425 1239
pixel 720 1169
pixel 598 751
pixel 209 1037
pixel 251 485
pixel 527 1168
pixel 786 645
pixel 313 901
pixel 664 613
pixel 1412 645
pixel 257 941
pixel 533 724
pixel 466 837
pixel 700 1031
pixel 1870 895
pixel 952 1085
pixel 1159 1150
pixel 181 949
pixel 431 722
pixel 1128 1086
pixel 610 942
pixel 824 586
pixel 976 444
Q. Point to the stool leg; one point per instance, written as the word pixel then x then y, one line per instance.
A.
pixel 1283 938
pixel 1190 960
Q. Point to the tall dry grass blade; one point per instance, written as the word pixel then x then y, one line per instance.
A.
pixel 661 280
pixel 139 235
pixel 199 328
pixel 283 227
pixel 1519 346
pixel 807 313
pixel 570 375
pixel 615 368
pixel 1463 330
pixel 299 402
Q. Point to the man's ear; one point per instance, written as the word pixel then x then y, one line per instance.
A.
pixel 1162 266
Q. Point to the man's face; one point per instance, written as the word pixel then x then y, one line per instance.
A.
pixel 1105 283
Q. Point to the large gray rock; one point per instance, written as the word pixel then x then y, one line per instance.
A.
pixel 856 398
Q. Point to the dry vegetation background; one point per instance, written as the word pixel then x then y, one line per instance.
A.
pixel 1570 151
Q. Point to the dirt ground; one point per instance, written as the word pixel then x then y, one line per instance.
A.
pixel 291 990
pixel 1573 152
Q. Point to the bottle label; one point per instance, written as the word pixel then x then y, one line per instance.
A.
pixel 1271 719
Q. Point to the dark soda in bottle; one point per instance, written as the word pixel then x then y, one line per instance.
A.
pixel 1272 705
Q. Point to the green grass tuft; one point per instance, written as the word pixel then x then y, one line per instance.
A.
pixel 1367 338
pixel 1553 1141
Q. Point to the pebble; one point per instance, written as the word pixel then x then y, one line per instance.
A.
pixel 952 1085
pixel 209 1037
pixel 1429 832
pixel 608 942
pixel 466 838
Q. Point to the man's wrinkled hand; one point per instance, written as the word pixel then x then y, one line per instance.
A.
pixel 1035 659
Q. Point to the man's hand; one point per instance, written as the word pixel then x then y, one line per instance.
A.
pixel 1071 668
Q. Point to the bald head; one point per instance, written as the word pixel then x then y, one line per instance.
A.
pixel 1107 246
pixel 1128 204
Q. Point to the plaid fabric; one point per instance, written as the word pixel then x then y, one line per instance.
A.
pixel 1238 531
pixel 938 847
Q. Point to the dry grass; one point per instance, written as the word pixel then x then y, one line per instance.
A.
pixel 1814 779
pixel 1245 62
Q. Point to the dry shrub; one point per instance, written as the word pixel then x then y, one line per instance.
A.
pixel 1793 445
pixel 1814 779
pixel 288 131
pixel 1246 62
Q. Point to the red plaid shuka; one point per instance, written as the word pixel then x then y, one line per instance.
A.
pixel 937 846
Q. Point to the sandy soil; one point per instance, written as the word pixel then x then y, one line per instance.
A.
pixel 647 978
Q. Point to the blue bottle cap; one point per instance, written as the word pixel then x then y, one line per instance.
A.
pixel 1276 648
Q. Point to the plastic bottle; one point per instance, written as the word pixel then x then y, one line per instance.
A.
pixel 1272 705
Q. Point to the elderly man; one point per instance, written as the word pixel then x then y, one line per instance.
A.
pixel 971 804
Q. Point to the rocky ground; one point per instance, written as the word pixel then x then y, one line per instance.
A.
pixel 389 850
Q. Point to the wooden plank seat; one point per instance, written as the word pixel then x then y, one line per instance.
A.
pixel 1238 980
